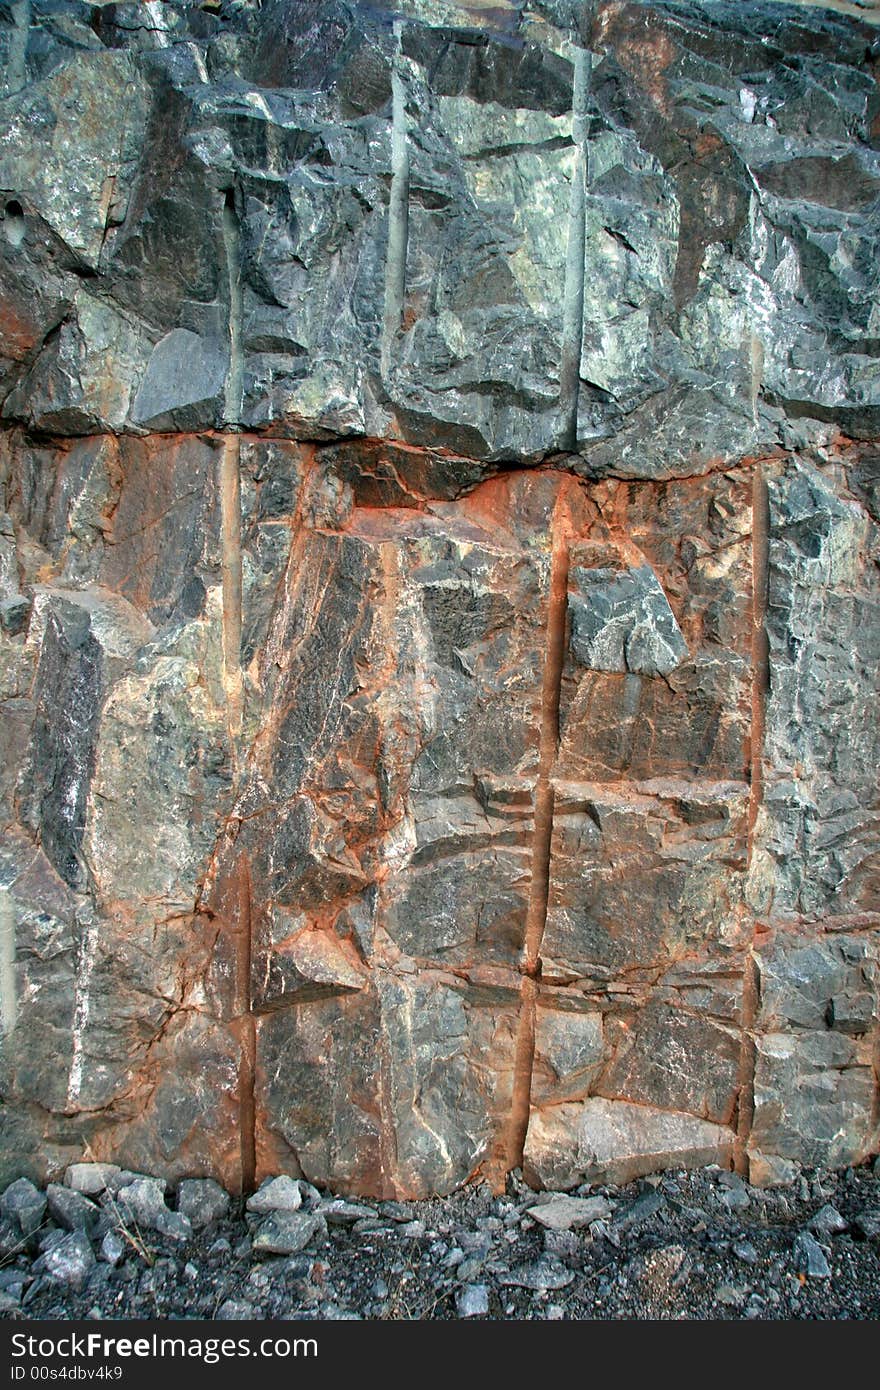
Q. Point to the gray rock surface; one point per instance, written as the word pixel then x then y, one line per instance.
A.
pixel 286 1232
pixel 72 1210
pixel 276 1194
pixel 472 1301
pixel 438 599
pixel 143 1203
pixel 202 1201
pixel 401 218
pixel 90 1178
pixel 70 1261
pixel 23 1205
pixel 622 622
pixel 810 1258
pixel 570 1213
pixel 828 1222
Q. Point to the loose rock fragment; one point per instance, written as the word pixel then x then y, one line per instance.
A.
pixel 90 1178
pixel 472 1301
pixel 276 1194
pixel 201 1201
pixel 23 1204
pixel 570 1213
pixel 287 1232
pixel 71 1209
pixel 70 1261
pixel 810 1258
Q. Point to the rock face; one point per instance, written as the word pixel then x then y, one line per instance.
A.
pixel 439 589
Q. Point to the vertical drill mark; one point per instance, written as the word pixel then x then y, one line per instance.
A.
pixel 231 584
pixel 230 476
pixel 745 1107
pixel 8 999
pixel 760 685
pixel 16 62
pixel 756 364
pixel 233 392
pixel 388 1154
pixel 247 1029
pixel 550 697
pixel 398 211
pixel 539 889
pixel 760 647
pixel 82 1003
pixel 573 300
pixel 523 1063
pixel 230 569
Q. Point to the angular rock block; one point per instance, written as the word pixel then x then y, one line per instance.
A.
pixel 689 541
pixel 821 829
pixel 621 621
pixel 401 1090
pixel 816 1032
pixel 668 856
pixel 614 1141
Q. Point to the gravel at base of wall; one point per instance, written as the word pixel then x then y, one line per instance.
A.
pixel 679 1245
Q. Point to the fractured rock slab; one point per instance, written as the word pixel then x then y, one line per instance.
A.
pixel 569 1213
pixel 616 1141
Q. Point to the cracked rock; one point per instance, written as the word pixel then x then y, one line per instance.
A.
pixel 438 479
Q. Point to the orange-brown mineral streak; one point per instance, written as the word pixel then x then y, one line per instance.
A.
pixel 387 614
pixel 246 1025
pixel 745 1105
pixel 760 681
pixel 539 889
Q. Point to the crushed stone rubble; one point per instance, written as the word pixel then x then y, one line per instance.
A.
pixel 112 1244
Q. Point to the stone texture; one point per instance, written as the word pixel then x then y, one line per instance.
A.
pixel 621 621
pixel 90 1178
pixel 438 594
pixel 70 1261
pixel 71 1209
pixel 23 1204
pixel 569 1213
pixel 616 1141
pixel 201 1201
pixel 677 282
pixel 276 1194
pixel 815 1086
pixel 810 1258
pixel 286 1232
pixel 472 1301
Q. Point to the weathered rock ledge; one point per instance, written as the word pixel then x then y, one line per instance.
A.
pixel 439 591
